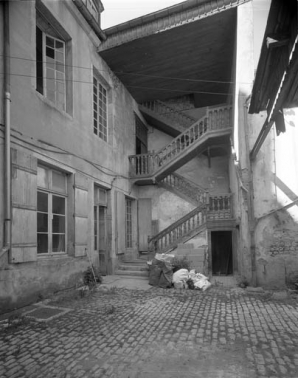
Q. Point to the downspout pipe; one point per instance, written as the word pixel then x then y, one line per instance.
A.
pixel 7 161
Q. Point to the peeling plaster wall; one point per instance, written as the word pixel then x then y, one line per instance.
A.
pixel 67 142
pixel 167 208
pixel 276 206
pixel 240 167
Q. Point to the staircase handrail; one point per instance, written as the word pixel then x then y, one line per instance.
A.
pixel 209 122
pixel 171 112
pixel 165 241
pixel 191 221
pixel 190 188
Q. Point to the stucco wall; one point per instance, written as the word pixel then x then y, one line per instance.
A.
pixel 276 197
pixel 167 207
pixel 67 142
pixel 240 166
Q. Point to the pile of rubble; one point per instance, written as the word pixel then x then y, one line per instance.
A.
pixel 162 273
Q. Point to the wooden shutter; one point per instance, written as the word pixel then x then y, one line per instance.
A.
pixel 81 215
pixel 24 206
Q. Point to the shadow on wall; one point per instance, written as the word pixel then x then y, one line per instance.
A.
pixel 277 248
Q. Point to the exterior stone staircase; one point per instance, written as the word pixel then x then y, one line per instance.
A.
pixel 165 117
pixel 214 209
pixel 214 128
pixel 184 188
pixel 133 268
pixel 157 168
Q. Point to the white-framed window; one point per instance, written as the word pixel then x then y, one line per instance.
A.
pixel 50 68
pixel 90 4
pixel 51 211
pixel 128 223
pixel 100 110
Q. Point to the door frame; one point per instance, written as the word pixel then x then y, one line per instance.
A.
pixel 234 248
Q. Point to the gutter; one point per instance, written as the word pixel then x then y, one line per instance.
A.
pixel 7 165
pixel 90 19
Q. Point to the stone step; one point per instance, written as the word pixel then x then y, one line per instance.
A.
pixel 136 268
pixel 134 262
pixel 132 273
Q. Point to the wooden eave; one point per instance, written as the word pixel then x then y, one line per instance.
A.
pixel 277 61
pixel 187 49
pixel 165 19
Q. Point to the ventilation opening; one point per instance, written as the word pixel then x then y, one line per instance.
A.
pixel 222 254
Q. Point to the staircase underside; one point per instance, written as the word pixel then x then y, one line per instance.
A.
pixel 156 121
pixel 216 137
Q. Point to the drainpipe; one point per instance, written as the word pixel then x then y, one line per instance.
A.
pixel 7 171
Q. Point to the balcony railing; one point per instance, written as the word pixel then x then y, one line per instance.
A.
pixel 220 207
pixel 170 236
pixel 217 118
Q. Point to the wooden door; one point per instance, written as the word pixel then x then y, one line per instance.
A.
pixel 100 237
pixel 144 222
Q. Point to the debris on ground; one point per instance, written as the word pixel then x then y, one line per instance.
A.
pixel 166 272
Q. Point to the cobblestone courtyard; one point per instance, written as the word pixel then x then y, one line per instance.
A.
pixel 155 333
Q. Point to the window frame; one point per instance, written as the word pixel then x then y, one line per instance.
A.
pixel 96 119
pixel 128 223
pixel 45 69
pixel 51 193
pixel 48 25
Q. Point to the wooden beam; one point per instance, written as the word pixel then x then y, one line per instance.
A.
pixel 260 139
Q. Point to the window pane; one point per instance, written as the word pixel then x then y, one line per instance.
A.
pixel 50 63
pixel 42 243
pixel 58 205
pixel 50 52
pixel 60 67
pixel 58 224
pixel 58 243
pixel 39 61
pixel 50 41
pixel 42 202
pixel 59 182
pixel 128 224
pixel 42 222
pixel 42 177
pixel 59 45
pixel 60 87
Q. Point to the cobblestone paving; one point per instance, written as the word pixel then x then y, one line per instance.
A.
pixel 157 333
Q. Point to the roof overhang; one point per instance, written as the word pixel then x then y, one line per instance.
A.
pixel 187 49
pixel 276 81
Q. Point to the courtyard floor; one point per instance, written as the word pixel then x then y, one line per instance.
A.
pixel 152 333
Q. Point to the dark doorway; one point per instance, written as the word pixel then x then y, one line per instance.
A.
pixel 222 254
